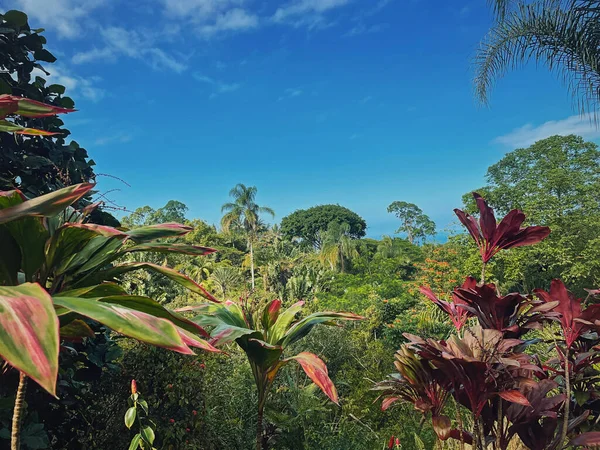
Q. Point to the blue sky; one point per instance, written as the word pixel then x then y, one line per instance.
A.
pixel 354 102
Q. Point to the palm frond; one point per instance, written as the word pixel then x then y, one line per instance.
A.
pixel 562 35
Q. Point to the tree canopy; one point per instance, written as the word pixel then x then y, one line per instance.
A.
pixel 414 222
pixel 310 224
pixel 556 182
pixel 35 165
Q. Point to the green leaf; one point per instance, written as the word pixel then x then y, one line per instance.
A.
pixel 283 322
pixel 148 435
pixel 130 416
pixel 29 333
pixel 304 326
pixel 57 89
pixel 45 205
pixel 67 102
pixel 144 405
pixel 15 17
pixel 10 258
pixel 152 307
pixel 183 249
pixel 44 55
pixel 76 330
pixel 177 277
pixel 153 232
pixel 261 353
pixel 135 442
pixel 5 87
pixel 136 324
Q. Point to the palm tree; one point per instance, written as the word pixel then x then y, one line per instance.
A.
pixel 337 246
pixel 245 213
pixel 225 277
pixel 563 34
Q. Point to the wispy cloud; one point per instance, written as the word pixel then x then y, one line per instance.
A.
pixel 219 87
pixel 211 18
pixel 528 134
pixel 75 85
pixel 64 16
pixel 309 13
pixel 290 93
pixel 366 99
pixel 120 137
pixel 361 28
pixel 119 42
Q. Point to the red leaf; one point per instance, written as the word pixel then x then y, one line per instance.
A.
pixel 514 396
pixel 590 438
pixel 388 401
pixel 316 370
pixel 11 104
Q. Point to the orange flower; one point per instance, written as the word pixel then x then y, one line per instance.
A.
pixel 133 387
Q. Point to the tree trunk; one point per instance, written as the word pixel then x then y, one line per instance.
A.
pixel 15 441
pixel 259 429
pixel 251 263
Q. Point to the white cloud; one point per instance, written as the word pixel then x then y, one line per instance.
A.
pixel 75 85
pixel 63 16
pixel 132 44
pixel 233 20
pixel 528 134
pixel 308 13
pixel 219 87
pixel 290 93
pixel 120 137
pixel 361 28
pixel 212 17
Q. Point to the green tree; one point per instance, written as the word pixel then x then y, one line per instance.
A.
pixel 338 246
pixel 245 213
pixel 416 224
pixel 309 224
pixel 556 182
pixel 561 34
pixel 173 211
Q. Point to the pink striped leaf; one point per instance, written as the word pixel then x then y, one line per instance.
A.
pixel 47 205
pixel 12 104
pixel 130 322
pixel 29 333
pixel 183 249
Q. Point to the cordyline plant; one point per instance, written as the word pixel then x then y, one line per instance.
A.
pixel 549 405
pixel 57 273
pixel 264 334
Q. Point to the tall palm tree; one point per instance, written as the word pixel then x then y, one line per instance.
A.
pixel 337 246
pixel 563 34
pixel 225 277
pixel 245 213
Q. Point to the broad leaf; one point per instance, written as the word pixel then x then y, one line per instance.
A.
pixel 29 333
pixel 304 326
pixel 47 205
pixel 172 274
pixel 153 232
pixel 262 353
pixel 316 370
pixel 130 417
pixel 183 249
pixel 152 307
pixel 591 438
pixel 130 322
pixel 284 321
pixel 11 127
pixel 76 330
pixel 514 396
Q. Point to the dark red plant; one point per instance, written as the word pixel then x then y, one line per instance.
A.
pixel 573 320
pixel 491 237
pixel 492 311
pixel 457 314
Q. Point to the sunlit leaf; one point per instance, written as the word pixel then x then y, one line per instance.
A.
pixel 316 370
pixel 29 333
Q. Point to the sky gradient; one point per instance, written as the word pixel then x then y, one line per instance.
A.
pixel 355 102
